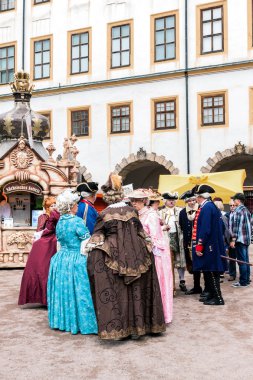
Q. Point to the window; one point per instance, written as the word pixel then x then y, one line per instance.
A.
pixel 120 45
pixel 6 5
pixel 212 36
pixel 165 114
pixel 42 58
pixel 41 1
pixel 80 122
pixel 165 38
pixel 48 115
pixel 213 110
pixel 7 64
pixel 79 53
pixel 120 119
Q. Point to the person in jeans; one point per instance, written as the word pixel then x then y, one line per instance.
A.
pixel 231 251
pixel 241 236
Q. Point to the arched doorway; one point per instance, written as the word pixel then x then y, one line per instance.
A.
pixel 143 169
pixel 239 157
pixel 143 174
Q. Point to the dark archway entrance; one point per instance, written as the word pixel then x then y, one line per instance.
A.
pixel 242 161
pixel 143 173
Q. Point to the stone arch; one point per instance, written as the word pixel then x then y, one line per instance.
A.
pixel 142 159
pixel 238 157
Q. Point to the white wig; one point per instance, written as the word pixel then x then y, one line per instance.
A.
pixel 66 200
pixel 203 195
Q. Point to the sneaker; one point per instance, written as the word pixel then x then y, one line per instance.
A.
pixel 238 285
pixel 182 286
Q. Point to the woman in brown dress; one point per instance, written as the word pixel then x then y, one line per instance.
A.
pixel 122 272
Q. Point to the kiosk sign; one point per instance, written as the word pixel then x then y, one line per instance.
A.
pixel 28 187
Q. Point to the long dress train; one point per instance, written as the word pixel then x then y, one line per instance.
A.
pixel 33 287
pixel 123 276
pixel 70 306
pixel 151 224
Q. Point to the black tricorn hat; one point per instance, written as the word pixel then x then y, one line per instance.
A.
pixel 87 187
pixel 187 195
pixel 202 189
pixel 170 196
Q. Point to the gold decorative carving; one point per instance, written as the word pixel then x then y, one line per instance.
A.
pixel 22 156
pixel 8 126
pixel 20 238
pixel 37 125
pixel 21 83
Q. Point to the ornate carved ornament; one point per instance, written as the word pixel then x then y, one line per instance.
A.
pixel 21 83
pixel 22 156
pixel 20 238
pixel 239 148
pixel 141 154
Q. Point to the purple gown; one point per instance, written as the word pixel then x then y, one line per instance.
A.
pixel 34 281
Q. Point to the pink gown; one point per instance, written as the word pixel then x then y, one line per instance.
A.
pixel 151 224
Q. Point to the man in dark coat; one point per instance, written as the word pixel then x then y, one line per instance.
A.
pixel 208 245
pixel 186 219
pixel 86 209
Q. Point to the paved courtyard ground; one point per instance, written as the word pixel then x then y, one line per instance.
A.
pixel 203 342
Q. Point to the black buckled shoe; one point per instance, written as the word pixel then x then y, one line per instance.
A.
pixel 215 301
pixel 193 291
pixel 182 286
pixel 204 296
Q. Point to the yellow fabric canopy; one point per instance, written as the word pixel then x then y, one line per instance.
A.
pixel 225 184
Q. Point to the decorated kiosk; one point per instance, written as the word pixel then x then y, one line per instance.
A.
pixel 28 173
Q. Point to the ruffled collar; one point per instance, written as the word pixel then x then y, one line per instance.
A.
pixel 67 216
pixel 145 210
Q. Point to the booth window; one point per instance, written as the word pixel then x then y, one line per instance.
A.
pixel 120 119
pixel 80 53
pixel 213 110
pixel 80 122
pixel 7 64
pixel 165 115
pixel 120 45
pixel 212 30
pixel 6 5
pixel 42 59
pixel 165 38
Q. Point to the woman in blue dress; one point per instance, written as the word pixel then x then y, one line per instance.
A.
pixel 70 305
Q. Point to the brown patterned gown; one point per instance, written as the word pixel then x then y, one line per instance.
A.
pixel 123 277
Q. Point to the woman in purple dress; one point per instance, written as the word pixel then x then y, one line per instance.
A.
pixel 34 281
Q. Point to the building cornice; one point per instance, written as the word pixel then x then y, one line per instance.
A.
pixel 79 87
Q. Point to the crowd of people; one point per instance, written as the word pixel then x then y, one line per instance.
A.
pixel 113 273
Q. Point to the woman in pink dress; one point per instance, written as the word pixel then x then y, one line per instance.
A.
pixel 152 226
pixel 33 287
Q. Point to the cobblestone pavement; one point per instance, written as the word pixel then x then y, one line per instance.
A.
pixel 203 342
